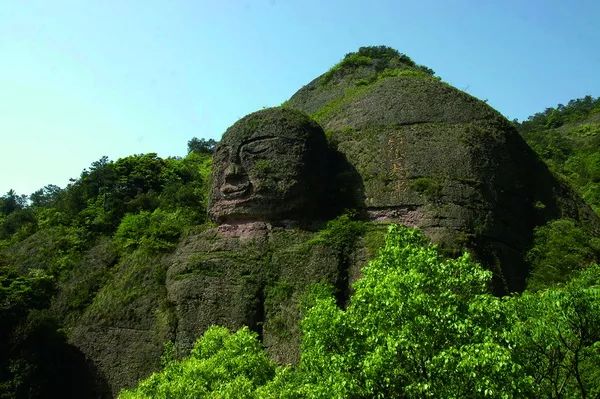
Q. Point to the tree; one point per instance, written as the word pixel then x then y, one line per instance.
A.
pixel 202 146
pixel 221 365
pixel 560 248
pixel 45 196
pixel 417 326
pixel 556 336
pixel 11 202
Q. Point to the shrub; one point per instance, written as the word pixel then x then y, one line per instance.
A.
pixel 155 231
pixel 559 249
pixel 222 365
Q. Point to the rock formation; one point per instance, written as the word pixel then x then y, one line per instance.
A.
pixel 402 146
pixel 270 165
pixel 436 158
pixel 270 179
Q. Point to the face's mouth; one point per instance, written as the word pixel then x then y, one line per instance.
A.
pixel 230 191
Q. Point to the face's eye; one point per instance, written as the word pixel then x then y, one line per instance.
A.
pixel 258 146
pixel 222 153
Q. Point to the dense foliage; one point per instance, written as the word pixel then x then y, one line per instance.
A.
pixel 576 110
pixel 567 138
pixel 221 365
pixel 560 248
pixel 141 202
pixel 201 146
pixel 418 325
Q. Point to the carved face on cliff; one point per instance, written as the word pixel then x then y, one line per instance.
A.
pixel 270 165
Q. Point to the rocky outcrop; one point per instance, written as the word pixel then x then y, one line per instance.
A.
pixel 123 330
pixel 270 165
pixel 253 274
pixel 433 157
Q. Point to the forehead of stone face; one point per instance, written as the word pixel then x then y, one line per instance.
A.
pixel 271 122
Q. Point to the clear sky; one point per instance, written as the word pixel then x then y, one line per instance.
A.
pixel 83 79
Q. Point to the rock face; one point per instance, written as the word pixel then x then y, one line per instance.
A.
pixel 271 185
pixel 436 158
pixel 270 165
pixel 252 274
pixel 123 331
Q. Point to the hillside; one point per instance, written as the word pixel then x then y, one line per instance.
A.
pixel 92 251
pixel 269 233
pixel 567 138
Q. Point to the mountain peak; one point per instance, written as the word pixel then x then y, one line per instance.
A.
pixel 377 59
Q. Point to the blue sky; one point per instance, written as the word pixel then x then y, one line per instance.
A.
pixel 83 79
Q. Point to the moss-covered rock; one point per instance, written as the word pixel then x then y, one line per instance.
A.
pixel 123 330
pixel 431 156
pixel 255 275
pixel 270 165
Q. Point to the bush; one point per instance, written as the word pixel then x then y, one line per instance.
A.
pixel 380 58
pixel 154 231
pixel 559 249
pixel 222 365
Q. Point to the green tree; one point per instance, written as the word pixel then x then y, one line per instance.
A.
pixel 222 365
pixel 45 196
pixel 11 202
pixel 20 293
pixel 555 335
pixel 417 326
pixel 201 146
pixel 560 248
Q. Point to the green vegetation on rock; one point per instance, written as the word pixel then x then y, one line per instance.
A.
pixel 560 249
pixel 381 59
pixel 567 138
pixel 340 233
pixel 418 325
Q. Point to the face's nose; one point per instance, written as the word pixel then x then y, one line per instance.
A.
pixel 235 175
pixel 233 171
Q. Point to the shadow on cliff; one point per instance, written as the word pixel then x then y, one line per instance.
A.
pixel 44 365
pixel 530 195
pixel 347 191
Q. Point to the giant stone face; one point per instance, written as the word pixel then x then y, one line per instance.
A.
pixel 270 165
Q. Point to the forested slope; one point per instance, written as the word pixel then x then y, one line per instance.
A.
pixel 67 255
pixel 567 138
